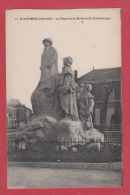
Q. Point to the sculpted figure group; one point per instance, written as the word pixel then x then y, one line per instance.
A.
pixel 76 100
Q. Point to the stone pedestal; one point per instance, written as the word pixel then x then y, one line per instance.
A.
pixel 45 98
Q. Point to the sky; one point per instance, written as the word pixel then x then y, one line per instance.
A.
pixel 90 41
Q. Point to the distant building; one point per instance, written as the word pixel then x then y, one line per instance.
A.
pixel 107 91
pixel 17 114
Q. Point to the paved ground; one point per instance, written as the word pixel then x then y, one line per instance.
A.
pixel 28 177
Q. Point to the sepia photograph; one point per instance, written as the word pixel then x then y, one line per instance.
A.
pixel 64 98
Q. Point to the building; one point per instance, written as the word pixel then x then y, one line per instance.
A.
pixel 17 114
pixel 107 91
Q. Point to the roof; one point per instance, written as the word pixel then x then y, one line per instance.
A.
pixel 101 75
pixel 19 106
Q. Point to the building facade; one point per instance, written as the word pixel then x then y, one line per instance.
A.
pixel 17 114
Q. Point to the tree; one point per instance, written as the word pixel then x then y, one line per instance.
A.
pixel 13 102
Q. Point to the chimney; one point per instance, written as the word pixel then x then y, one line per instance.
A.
pixel 75 75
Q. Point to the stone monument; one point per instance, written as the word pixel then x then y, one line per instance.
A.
pixel 62 108
pixel 45 99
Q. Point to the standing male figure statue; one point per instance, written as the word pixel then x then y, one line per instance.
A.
pixel 48 60
pixel 86 104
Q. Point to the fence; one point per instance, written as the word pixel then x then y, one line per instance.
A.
pixel 69 150
pixel 109 127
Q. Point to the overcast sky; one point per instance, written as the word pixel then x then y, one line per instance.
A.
pixel 90 42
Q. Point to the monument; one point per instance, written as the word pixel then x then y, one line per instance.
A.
pixel 62 109
pixel 45 99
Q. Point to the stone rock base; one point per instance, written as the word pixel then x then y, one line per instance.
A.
pixel 49 128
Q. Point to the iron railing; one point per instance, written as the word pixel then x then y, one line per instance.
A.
pixel 66 150
pixel 109 127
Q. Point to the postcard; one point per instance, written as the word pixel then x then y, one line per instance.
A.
pixel 64 98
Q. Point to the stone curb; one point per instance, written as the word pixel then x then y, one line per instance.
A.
pixel 85 166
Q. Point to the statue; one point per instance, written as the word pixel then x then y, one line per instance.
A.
pixel 79 89
pixel 48 60
pixel 86 104
pixel 54 101
pixel 78 92
pixel 67 91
